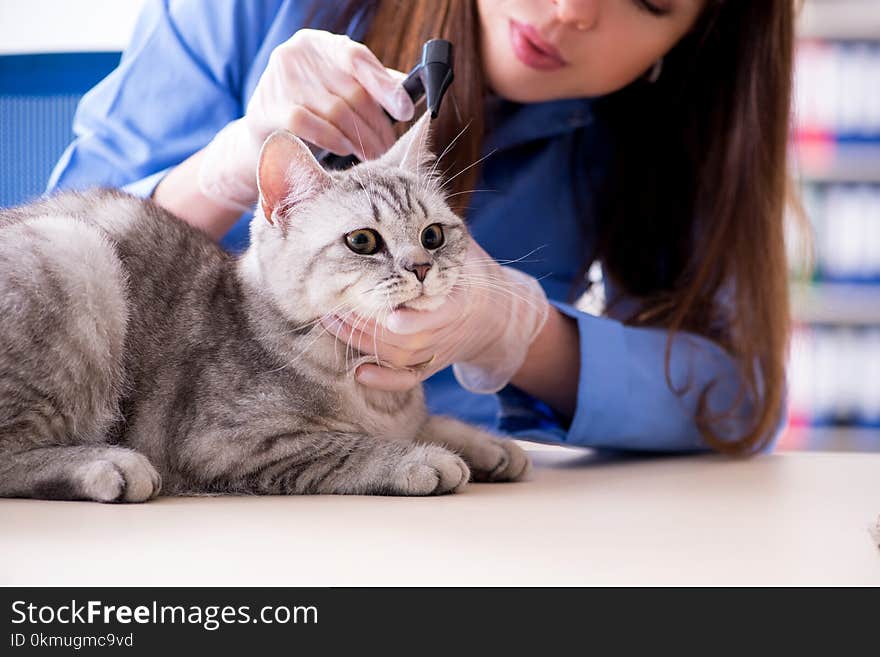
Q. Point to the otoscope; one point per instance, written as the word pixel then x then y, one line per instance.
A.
pixel 430 78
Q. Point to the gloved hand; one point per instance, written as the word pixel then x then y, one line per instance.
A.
pixel 322 87
pixel 484 328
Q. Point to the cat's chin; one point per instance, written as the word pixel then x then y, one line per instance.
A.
pixel 423 303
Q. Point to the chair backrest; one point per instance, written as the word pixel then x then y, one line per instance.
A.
pixel 38 97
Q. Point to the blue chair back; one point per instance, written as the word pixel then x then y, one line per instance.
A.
pixel 38 97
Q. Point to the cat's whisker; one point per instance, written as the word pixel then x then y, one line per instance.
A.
pixel 478 264
pixel 494 278
pixel 498 298
pixel 482 261
pixel 468 191
pixel 348 346
pixel 418 162
pixel 373 318
pixel 311 324
pixel 372 191
pixel 363 187
pixel 297 356
pixel 455 105
pixel 354 169
pixel 360 322
pixel 297 329
pixel 495 286
pixel 358 131
pixel 366 320
pixel 343 319
pixel 442 175
pixel 448 148
pixel 303 350
pixel 381 323
pixel 449 180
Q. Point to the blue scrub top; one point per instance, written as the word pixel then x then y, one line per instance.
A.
pixel 192 66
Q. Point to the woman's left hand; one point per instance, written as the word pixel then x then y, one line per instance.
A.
pixel 484 328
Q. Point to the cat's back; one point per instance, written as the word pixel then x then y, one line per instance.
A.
pixel 109 209
pixel 161 264
pixel 140 229
pixel 160 253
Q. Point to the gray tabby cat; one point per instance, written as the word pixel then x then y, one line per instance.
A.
pixel 135 351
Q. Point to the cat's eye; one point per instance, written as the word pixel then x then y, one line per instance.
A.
pixel 364 241
pixel 432 237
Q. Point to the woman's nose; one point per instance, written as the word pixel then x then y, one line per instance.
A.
pixel 582 15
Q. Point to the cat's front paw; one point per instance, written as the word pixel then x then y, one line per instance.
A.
pixel 497 459
pixel 430 470
pixel 120 475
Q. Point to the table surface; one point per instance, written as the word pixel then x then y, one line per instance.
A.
pixel 583 519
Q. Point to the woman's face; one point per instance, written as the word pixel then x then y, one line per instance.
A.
pixel 537 50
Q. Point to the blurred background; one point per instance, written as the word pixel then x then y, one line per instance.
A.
pixel 52 51
pixel 834 373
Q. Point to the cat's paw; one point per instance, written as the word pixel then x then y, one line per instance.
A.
pixel 121 475
pixel 497 459
pixel 430 470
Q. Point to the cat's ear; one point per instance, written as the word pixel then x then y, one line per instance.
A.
pixel 288 174
pixel 413 150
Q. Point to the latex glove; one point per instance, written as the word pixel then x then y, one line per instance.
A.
pixel 484 328
pixel 322 87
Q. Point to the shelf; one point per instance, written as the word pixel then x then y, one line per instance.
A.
pixel 839 304
pixel 831 162
pixel 840 19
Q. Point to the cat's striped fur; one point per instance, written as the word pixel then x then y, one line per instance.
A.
pixel 133 350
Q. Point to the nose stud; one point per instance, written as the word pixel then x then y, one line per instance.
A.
pixel 420 270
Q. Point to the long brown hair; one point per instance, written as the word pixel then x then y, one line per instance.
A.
pixel 692 211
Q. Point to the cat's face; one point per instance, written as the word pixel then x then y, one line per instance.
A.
pixel 368 240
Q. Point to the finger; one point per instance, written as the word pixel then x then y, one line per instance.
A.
pixel 384 88
pixel 383 378
pixel 307 125
pixel 346 333
pixel 336 111
pixel 410 322
pixel 354 337
pixel 367 112
pixel 397 76
pixel 412 342
pixel 367 342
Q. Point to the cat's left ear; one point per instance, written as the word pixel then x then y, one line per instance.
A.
pixel 288 174
pixel 413 150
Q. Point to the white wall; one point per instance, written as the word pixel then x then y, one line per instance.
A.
pixel 28 26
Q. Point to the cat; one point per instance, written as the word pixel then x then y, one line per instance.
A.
pixel 136 355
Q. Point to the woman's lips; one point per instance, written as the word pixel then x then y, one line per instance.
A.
pixel 533 51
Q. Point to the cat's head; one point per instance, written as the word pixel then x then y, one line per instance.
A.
pixel 373 238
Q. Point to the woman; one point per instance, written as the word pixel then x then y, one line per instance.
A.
pixel 647 135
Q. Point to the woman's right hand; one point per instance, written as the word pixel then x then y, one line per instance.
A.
pixel 325 88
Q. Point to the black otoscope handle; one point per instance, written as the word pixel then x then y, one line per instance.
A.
pixel 429 78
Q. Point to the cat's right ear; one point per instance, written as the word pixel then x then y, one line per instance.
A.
pixel 287 175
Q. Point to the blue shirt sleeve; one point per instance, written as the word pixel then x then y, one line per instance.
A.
pixel 179 82
pixel 624 400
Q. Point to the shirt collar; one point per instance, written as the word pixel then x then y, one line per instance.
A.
pixel 509 124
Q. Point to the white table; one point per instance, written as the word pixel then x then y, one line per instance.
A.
pixel 791 518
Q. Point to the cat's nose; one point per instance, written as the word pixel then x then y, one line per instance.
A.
pixel 420 270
